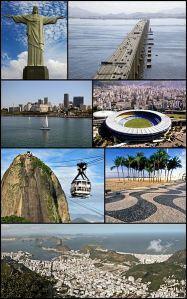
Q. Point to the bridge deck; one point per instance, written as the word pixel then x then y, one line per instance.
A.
pixel 125 61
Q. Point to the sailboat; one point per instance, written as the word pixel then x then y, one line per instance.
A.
pixel 45 124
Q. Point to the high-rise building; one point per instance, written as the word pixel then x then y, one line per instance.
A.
pixel 21 107
pixel 66 100
pixel 40 101
pixel 46 100
pixel 78 101
pixel 28 106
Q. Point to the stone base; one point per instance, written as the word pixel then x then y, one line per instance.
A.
pixel 35 73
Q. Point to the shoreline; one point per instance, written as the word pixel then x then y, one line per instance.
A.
pixel 56 116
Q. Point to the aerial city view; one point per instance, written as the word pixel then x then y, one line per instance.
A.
pixel 94 261
pixel 145 185
pixel 46 114
pixel 93 149
pixel 44 185
pixel 139 113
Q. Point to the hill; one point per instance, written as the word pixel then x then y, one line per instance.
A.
pixel 32 191
pixel 97 252
pixel 17 281
pixel 155 273
pixel 178 258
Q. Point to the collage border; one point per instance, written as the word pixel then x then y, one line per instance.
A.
pixel 92 147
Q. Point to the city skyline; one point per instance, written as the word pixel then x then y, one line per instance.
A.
pixel 47 229
pixel 16 92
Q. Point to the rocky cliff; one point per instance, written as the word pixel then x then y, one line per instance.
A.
pixel 31 190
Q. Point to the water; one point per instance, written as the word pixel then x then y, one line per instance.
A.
pixel 20 131
pixel 129 243
pixel 92 41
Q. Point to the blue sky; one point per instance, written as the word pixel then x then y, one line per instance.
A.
pixel 29 229
pixel 20 92
pixel 14 39
pixel 59 161
pixel 111 154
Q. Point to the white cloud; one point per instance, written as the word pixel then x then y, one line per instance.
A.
pixel 156 246
pixel 57 69
pixel 14 69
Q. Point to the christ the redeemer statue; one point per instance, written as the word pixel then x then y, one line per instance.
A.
pixel 35 65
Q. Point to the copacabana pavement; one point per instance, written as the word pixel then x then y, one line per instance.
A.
pixel 147 203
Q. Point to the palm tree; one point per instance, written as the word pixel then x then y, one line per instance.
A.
pixel 173 163
pixel 142 166
pixel 161 161
pixel 149 168
pixel 122 164
pixel 154 165
pixel 117 163
pixel 138 159
pixel 128 163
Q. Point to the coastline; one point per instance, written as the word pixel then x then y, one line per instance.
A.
pixel 48 115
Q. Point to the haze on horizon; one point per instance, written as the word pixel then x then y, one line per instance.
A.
pixel 128 7
pixel 74 229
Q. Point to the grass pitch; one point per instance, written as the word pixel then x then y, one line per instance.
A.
pixel 138 123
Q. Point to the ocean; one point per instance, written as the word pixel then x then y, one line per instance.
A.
pixel 18 131
pixel 129 243
pixel 94 40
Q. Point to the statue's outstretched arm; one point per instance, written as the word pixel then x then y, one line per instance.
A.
pixel 51 20
pixel 7 16
pixel 17 19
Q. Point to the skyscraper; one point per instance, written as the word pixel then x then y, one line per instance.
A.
pixel 66 100
pixel 45 100
pixel 77 101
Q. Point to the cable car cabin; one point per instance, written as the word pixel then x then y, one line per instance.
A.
pixel 81 185
pixel 80 188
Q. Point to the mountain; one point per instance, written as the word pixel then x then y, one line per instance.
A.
pixel 80 220
pixel 86 218
pixel 157 272
pixel 31 190
pixel 17 281
pixel 178 258
pixel 75 12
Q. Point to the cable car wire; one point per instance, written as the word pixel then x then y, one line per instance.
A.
pixel 86 207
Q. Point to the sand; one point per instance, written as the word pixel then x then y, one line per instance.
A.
pixel 116 184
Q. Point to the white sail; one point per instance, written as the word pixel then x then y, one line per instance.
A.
pixel 45 125
pixel 46 122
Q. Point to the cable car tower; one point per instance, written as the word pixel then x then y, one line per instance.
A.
pixel 81 185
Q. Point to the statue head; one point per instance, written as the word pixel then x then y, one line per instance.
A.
pixel 35 10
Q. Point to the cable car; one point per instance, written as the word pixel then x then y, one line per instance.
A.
pixel 81 185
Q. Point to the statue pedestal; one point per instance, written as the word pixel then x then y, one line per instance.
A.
pixel 35 73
